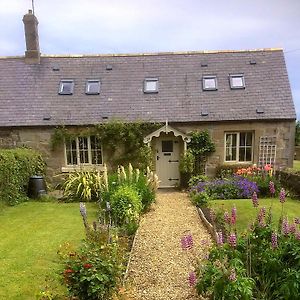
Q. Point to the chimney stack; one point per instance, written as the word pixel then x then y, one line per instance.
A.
pixel 32 53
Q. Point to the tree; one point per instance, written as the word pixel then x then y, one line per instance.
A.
pixel 297 134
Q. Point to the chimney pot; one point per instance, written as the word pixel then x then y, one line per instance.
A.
pixel 32 53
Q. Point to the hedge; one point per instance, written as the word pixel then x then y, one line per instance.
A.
pixel 16 166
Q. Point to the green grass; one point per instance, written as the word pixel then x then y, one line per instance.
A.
pixel 246 213
pixel 296 165
pixel 30 236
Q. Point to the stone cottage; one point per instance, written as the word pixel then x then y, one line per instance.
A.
pixel 242 98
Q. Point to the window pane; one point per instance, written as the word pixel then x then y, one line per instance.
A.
pixel 93 87
pixel 209 83
pixel 96 151
pixel 167 146
pixel 151 85
pixel 249 139
pixel 66 87
pixel 231 147
pixel 237 82
pixel 83 150
pixel 249 154
pixel 71 152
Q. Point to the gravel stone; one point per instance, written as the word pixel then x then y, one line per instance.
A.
pixel 159 267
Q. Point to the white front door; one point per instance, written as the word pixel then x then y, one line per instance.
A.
pixel 167 161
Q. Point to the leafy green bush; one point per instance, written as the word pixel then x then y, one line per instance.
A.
pixel 200 199
pixel 16 167
pixel 126 205
pixel 82 186
pixel 92 272
pixel 196 179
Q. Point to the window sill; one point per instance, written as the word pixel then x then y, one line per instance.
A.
pixel 68 169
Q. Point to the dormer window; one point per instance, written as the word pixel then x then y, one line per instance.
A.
pixel 237 81
pixel 92 87
pixel 209 83
pixel 151 85
pixel 66 87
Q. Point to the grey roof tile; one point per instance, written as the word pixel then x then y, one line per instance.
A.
pixel 29 92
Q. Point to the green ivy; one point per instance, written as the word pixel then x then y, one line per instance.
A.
pixel 201 143
pixel 124 141
pixel 16 166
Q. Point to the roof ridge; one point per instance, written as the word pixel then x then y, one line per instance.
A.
pixel 152 53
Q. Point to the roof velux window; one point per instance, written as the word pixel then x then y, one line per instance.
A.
pixel 92 87
pixel 151 85
pixel 237 81
pixel 66 87
pixel 209 83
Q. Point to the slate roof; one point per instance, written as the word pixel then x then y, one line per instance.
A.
pixel 29 93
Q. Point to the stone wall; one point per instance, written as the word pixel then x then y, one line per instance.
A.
pixel 283 130
pixel 40 138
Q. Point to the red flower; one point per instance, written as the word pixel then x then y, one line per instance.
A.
pixel 87 266
pixel 69 271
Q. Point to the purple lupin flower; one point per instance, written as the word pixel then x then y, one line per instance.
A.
pixel 272 188
pixel 254 200
pixel 274 241
pixel 190 242
pixel 292 228
pixel 232 275
pixel 233 215
pixel 285 226
pixel 212 215
pixel 261 216
pixel 226 217
pixel 192 278
pixel 232 240
pixel 297 220
pixel 297 235
pixel 220 239
pixel 282 195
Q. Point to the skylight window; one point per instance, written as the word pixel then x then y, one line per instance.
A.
pixel 66 87
pixel 237 81
pixel 209 83
pixel 92 87
pixel 151 85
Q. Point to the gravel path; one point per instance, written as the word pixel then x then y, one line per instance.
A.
pixel 159 267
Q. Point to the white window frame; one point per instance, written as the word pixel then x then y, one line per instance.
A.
pixel 209 77
pixel 80 165
pixel 236 87
pixel 147 80
pixel 61 85
pixel 237 133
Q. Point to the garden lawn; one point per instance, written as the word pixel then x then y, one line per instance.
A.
pixel 246 213
pixel 296 165
pixel 30 235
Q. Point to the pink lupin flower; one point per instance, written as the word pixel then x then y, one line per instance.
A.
pixel 220 239
pixel 192 278
pixel 226 217
pixel 232 240
pixel 261 216
pixel 285 226
pixel 233 215
pixel 292 228
pixel 272 188
pixel 254 199
pixel 212 215
pixel 282 195
pixel 184 243
pixel 297 235
pixel 232 275
pixel 187 242
pixel 274 240
pixel 297 220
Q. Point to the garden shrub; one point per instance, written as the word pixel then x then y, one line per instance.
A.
pixel 92 273
pixel 235 187
pixel 290 180
pixel 82 186
pixel 126 205
pixel 263 263
pixel 16 167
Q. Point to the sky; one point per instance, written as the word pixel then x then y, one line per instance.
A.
pixel 139 26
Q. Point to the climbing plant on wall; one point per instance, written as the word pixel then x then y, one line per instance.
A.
pixel 123 141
